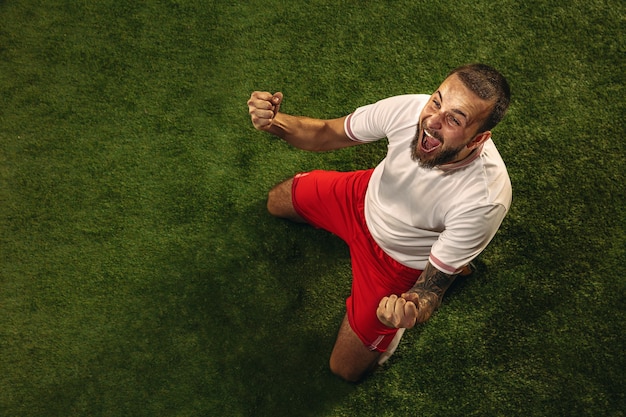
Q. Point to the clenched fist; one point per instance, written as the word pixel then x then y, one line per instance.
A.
pixel 263 107
pixel 405 311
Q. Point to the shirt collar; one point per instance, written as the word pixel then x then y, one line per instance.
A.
pixel 463 162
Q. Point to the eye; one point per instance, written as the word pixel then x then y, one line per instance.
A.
pixel 453 120
pixel 436 103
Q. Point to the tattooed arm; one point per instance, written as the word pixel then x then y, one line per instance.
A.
pixel 419 303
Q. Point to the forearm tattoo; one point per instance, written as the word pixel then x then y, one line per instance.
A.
pixel 432 284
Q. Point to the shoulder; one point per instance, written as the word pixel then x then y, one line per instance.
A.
pixel 405 102
pixel 497 176
pixel 486 181
pixel 379 119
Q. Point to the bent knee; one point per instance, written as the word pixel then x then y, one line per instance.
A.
pixel 273 205
pixel 279 201
pixel 346 373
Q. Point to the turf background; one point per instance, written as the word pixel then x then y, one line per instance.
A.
pixel 141 276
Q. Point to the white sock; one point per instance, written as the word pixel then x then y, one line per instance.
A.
pixel 392 347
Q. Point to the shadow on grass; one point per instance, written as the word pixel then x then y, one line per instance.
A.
pixel 275 305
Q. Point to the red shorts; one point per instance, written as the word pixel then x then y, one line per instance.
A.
pixel 334 201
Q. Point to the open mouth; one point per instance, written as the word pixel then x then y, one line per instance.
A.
pixel 429 142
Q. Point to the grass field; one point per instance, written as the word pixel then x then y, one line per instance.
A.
pixel 140 274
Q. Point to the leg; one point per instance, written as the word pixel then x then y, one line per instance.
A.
pixel 279 202
pixel 333 201
pixel 351 359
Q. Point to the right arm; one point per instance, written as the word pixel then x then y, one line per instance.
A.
pixel 419 303
pixel 302 132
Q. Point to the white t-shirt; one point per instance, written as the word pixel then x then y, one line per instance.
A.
pixel 446 215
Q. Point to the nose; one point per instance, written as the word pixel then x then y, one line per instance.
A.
pixel 435 121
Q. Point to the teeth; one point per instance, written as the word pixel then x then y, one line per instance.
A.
pixel 429 141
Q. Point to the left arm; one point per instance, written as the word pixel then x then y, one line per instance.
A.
pixel 419 303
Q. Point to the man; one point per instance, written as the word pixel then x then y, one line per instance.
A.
pixel 414 223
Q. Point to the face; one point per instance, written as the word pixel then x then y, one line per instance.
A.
pixel 448 125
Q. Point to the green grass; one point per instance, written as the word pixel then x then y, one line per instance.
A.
pixel 141 276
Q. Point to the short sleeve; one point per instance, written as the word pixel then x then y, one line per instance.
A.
pixel 378 120
pixel 465 237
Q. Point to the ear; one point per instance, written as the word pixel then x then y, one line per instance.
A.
pixel 479 139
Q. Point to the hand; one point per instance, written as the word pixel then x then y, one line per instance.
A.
pixel 404 311
pixel 263 107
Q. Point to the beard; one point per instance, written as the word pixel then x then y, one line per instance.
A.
pixel 442 156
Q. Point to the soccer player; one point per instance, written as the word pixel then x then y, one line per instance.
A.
pixel 414 222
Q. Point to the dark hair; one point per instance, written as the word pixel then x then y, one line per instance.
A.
pixel 488 84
